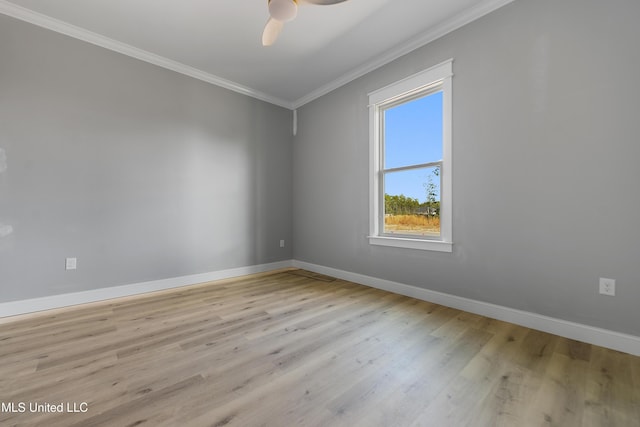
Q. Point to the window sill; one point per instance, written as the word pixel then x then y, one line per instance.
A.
pixel 424 245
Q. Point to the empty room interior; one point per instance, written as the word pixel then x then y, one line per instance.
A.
pixel 320 213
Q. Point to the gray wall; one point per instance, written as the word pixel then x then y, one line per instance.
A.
pixel 139 172
pixel 546 137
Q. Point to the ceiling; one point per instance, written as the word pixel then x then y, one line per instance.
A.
pixel 219 41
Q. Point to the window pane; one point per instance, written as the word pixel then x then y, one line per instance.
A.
pixel 412 202
pixel 413 132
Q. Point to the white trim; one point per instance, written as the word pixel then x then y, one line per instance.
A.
pixel 402 242
pixel 446 187
pixel 576 331
pixel 437 77
pixel 14 308
pixel 79 33
pixel 458 21
pixel 589 334
pixel 417 81
pixel 295 122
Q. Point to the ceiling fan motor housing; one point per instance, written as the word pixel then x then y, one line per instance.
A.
pixel 283 10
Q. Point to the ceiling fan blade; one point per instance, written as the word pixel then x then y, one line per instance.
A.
pixel 271 32
pixel 323 2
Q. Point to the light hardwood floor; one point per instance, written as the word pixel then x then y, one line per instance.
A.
pixel 291 348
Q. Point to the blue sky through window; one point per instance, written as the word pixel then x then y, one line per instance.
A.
pixel 413 135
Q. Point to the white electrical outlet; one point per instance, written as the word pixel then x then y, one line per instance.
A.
pixel 607 286
pixel 282 243
pixel 71 263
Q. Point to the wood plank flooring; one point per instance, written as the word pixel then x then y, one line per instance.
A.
pixel 292 348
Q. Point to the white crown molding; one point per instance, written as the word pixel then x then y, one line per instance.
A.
pixel 44 21
pixel 434 33
pixel 15 308
pixel 41 20
pixel 576 331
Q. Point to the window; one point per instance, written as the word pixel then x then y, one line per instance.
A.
pixel 410 151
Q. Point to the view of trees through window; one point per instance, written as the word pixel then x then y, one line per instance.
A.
pixel 408 215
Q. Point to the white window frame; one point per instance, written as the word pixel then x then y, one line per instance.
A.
pixel 407 89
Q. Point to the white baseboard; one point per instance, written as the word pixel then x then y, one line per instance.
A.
pixel 14 308
pixel 576 331
pixel 589 334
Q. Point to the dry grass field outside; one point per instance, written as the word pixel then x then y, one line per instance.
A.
pixel 423 225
